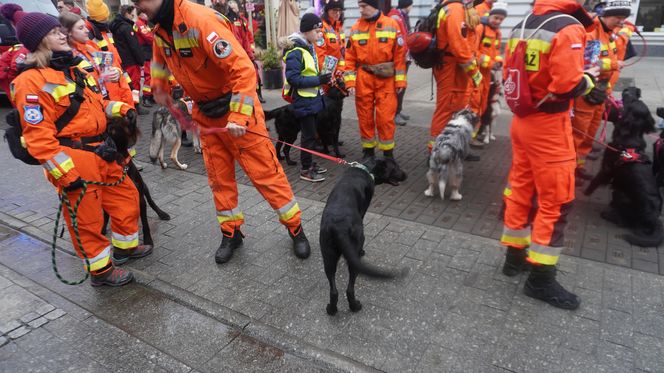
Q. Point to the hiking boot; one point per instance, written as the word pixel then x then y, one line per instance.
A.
pixel 318 169
pixel 542 285
pixel 472 157
pixel 184 141
pixel 311 175
pixel 140 110
pixel 388 153
pixel 368 154
pixel 111 276
pixel 399 121
pixel 229 242
pixel 582 174
pixel 122 256
pixel 477 144
pixel 301 246
pixel 515 261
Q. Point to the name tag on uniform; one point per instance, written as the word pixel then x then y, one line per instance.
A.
pixel 362 42
pixel 333 40
pixel 382 40
pixel 186 52
pixel 605 53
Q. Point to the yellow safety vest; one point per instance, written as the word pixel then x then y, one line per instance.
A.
pixel 310 69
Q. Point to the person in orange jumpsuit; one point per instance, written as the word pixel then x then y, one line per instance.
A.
pixel 145 40
pixel 246 38
pixel 15 55
pixel 484 7
pixel 197 45
pixel 333 41
pixel 488 46
pixel 375 39
pixel 543 157
pixel 589 110
pixel 458 73
pixel 51 86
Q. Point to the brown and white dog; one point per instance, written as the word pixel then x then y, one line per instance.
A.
pixel 167 130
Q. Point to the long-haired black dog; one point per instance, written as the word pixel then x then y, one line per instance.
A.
pixel 635 202
pixel 342 227
pixel 125 135
pixel 328 124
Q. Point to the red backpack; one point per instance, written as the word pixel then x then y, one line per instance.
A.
pixel 515 84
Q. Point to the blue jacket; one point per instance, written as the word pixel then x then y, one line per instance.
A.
pixel 302 106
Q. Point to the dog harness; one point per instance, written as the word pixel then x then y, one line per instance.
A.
pixel 630 155
pixel 362 167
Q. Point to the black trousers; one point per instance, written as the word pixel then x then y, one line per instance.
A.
pixel 403 93
pixel 307 139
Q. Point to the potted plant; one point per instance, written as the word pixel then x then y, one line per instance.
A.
pixel 272 76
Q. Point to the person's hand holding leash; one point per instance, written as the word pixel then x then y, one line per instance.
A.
pixel 236 130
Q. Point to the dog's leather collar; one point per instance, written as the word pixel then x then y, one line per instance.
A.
pixel 362 167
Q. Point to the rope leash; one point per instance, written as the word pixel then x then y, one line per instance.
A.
pixel 74 223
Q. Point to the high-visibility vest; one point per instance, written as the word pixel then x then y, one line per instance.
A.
pixel 310 69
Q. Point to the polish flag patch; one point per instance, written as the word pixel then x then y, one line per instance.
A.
pixel 213 37
pixel 577 46
pixel 32 98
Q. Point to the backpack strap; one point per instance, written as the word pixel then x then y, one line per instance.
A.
pixel 75 102
pixel 523 26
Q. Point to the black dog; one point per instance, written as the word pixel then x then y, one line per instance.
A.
pixel 342 229
pixel 124 136
pixel 328 125
pixel 658 154
pixel 635 202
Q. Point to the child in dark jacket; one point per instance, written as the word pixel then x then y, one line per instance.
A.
pixel 304 85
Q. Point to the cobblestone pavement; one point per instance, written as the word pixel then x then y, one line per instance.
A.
pixel 453 312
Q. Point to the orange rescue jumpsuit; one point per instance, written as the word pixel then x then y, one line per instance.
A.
pixel 42 96
pixel 483 9
pixel 208 62
pixel 543 158
pixel 373 42
pixel 587 117
pixel 488 55
pixel 332 43
pixel 455 76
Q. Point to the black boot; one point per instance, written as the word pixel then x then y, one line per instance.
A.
pixel 259 91
pixel 515 261
pixel 111 276
pixel 388 153
pixel 542 285
pixel 140 110
pixel 301 246
pixel 184 141
pixel 368 154
pixel 147 101
pixel 229 243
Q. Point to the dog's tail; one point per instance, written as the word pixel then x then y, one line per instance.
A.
pixel 155 139
pixel 352 256
pixel 653 239
pixel 271 114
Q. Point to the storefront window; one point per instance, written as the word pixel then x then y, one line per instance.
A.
pixel 651 15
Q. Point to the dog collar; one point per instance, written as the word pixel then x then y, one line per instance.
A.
pixel 362 167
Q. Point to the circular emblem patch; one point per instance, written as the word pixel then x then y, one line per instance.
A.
pixel 400 41
pixel 320 42
pixel 222 48
pixel 32 114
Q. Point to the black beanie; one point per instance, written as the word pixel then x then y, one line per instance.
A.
pixel 620 8
pixel 333 4
pixel 403 4
pixel 371 3
pixel 309 22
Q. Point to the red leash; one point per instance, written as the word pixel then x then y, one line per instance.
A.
pixel 186 124
pixel 622 152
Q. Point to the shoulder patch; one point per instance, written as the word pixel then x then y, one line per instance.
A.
pixel 32 114
pixel 31 98
pixel 400 41
pixel 320 42
pixel 222 48
pixel 213 37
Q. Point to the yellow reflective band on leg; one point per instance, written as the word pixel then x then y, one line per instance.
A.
pixel 515 237
pixel 229 215
pixel 546 255
pixel 124 242
pixel 288 211
pixel 100 261
pixel 507 191
pixel 386 145
pixel 368 143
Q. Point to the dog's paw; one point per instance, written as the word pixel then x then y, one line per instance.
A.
pixel 455 196
pixel 183 166
pixel 163 216
pixel 331 309
pixel 428 193
pixel 164 165
pixel 355 306
pixel 486 139
pixel 492 137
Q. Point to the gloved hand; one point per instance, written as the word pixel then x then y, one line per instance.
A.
pixel 477 78
pixel 216 108
pixel 77 184
pixel 325 78
pixel 596 96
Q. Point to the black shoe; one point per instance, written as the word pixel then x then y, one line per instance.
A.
pixel 301 246
pixel 184 141
pixel 582 174
pixel 515 261
pixel 147 102
pixel 542 285
pixel 472 157
pixel 140 110
pixel 388 153
pixel 111 276
pixel 229 243
pixel 368 154
pixel 122 256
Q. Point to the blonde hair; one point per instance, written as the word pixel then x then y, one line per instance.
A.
pixel 40 58
pixel 68 20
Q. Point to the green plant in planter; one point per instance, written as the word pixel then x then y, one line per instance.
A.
pixel 270 59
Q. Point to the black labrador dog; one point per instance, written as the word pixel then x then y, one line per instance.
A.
pixel 328 125
pixel 124 136
pixel 635 201
pixel 342 229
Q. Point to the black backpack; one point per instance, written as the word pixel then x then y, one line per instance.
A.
pixel 431 56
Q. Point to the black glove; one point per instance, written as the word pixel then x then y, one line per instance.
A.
pixel 216 108
pixel 108 151
pixel 325 78
pixel 132 118
pixel 77 184
pixel 596 96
